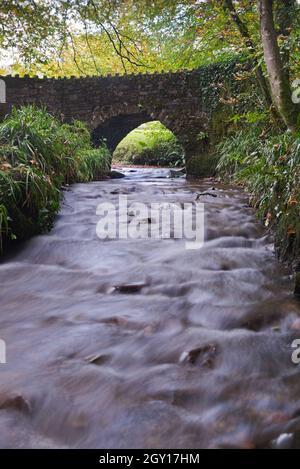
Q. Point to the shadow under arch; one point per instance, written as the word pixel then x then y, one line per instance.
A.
pixel 114 129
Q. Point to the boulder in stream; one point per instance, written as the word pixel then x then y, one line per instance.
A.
pixel 116 174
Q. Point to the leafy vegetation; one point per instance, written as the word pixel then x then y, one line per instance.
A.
pixel 110 36
pixel 38 155
pixel 266 160
pixel 150 144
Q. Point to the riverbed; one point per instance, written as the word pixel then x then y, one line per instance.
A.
pixel 142 343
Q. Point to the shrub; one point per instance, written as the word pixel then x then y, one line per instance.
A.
pixel 94 163
pixel 268 165
pixel 37 155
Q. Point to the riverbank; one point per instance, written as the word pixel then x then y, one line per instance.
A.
pixel 265 159
pixel 38 157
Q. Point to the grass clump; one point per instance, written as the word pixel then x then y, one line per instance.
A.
pixel 38 154
pixel 150 144
pixel 266 160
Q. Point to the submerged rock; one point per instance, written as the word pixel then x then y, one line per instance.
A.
pixel 116 174
pixel 97 359
pixel 177 173
pixel 203 356
pixel 15 402
pixel 284 441
pixel 130 288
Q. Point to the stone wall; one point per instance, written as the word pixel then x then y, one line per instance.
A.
pixel 175 99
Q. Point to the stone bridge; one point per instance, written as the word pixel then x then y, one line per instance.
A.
pixel 112 106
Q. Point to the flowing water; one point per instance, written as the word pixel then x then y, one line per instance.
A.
pixel 143 343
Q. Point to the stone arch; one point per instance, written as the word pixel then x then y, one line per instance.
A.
pixel 114 129
pixel 2 92
pixel 114 122
pixel 183 117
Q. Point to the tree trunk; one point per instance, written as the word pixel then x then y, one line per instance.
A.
pixel 279 82
pixel 241 26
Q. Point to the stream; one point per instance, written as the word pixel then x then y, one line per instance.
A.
pixel 142 343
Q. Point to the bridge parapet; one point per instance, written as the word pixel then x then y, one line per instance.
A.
pixel 178 100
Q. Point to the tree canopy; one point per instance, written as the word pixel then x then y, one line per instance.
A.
pixel 76 37
pixel 97 37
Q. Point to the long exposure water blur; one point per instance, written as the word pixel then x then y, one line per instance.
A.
pixel 142 343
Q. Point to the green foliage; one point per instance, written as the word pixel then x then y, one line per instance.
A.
pixel 250 117
pixel 93 164
pixel 150 144
pixel 267 163
pixel 79 37
pixel 37 155
pixel 171 35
